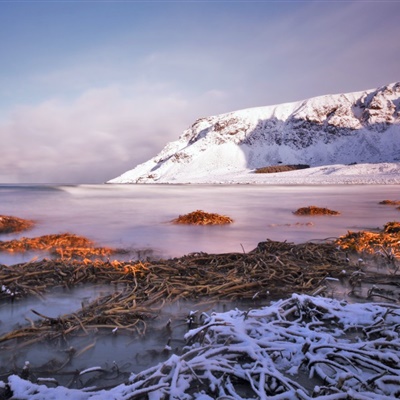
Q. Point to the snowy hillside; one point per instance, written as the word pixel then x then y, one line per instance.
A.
pixel 332 130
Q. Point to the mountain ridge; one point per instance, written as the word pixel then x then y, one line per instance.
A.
pixel 358 127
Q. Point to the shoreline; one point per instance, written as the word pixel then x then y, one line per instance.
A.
pixel 337 174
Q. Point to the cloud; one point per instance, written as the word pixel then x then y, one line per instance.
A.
pixel 96 137
pixel 99 110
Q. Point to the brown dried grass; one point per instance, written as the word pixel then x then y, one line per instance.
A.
pixel 280 168
pixel 200 217
pixel 313 210
pixel 9 224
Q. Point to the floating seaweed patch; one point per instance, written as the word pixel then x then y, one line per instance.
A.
pixel 392 227
pixel 10 224
pixel 313 210
pixel 200 217
pixel 66 245
pixel 390 202
pixel 387 241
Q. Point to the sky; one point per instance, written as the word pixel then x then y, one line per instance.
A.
pixel 90 89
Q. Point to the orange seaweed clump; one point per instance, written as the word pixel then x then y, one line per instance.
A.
pixel 370 242
pixel 127 268
pixel 390 202
pixel 9 224
pixel 82 252
pixel 200 217
pixel 392 227
pixel 46 242
pixel 65 245
pixel 313 210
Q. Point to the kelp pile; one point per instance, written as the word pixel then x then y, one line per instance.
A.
pixel 291 339
pixel 269 271
pixel 272 266
pixel 390 202
pixel 10 224
pixel 200 217
pixel 314 210
pixel 385 242
pixel 125 311
pixel 36 277
pixel 64 245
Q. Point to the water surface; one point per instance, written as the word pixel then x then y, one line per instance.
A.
pixel 138 216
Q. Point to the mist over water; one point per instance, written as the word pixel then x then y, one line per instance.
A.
pixel 138 217
pixel 53 304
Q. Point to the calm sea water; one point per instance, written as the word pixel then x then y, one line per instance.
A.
pixel 138 216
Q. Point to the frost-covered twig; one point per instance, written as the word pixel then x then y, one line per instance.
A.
pixel 342 350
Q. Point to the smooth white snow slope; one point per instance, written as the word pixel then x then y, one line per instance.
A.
pixel 345 138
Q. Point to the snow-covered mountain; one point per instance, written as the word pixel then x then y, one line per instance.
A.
pixel 361 127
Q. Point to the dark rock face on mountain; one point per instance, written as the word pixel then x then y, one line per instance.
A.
pixel 362 127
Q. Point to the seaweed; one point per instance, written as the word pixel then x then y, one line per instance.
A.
pixel 10 224
pixel 200 217
pixel 314 210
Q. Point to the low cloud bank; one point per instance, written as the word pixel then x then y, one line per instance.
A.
pixel 94 137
